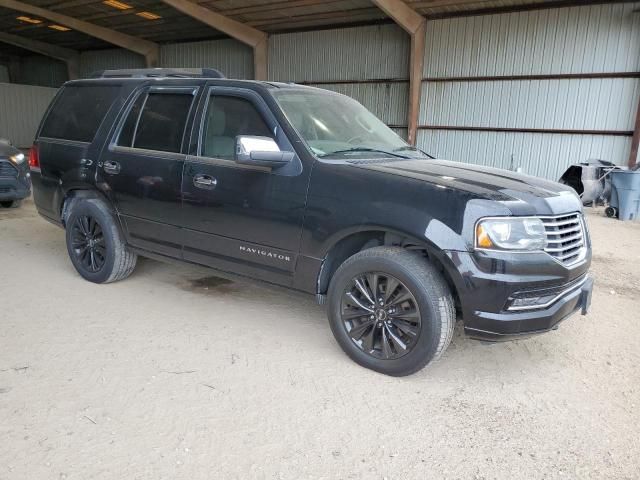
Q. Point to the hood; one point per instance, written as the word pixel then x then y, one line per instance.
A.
pixel 522 194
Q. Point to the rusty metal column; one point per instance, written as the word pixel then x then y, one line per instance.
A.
pixel 416 63
pixel 416 26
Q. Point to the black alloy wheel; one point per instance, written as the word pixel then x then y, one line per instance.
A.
pixel 96 245
pixel 380 315
pixel 88 243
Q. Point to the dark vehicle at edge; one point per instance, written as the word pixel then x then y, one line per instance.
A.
pixel 15 181
pixel 306 189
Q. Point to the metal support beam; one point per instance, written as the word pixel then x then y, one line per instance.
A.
pixel 256 39
pixel 416 26
pixel 635 140
pixel 70 57
pixel 143 47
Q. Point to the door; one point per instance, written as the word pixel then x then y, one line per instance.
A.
pixel 239 218
pixel 142 167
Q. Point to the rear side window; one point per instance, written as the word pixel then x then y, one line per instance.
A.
pixel 157 121
pixel 129 128
pixel 78 112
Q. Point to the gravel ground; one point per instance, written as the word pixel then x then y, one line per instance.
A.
pixel 177 374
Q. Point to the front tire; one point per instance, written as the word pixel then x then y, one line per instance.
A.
pixel 95 244
pixel 391 310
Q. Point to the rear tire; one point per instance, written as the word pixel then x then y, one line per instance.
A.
pixel 11 203
pixel 391 310
pixel 95 243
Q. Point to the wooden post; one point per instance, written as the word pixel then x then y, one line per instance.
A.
pixel 415 80
pixel 253 37
pixel 416 26
pixel 260 60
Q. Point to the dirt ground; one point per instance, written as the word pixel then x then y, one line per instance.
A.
pixel 175 374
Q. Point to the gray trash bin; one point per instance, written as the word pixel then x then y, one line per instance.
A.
pixel 625 194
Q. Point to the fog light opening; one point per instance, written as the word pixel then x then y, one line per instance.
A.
pixel 530 302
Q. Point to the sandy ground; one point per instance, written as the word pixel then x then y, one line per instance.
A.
pixel 175 374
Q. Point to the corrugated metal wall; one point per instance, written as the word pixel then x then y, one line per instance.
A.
pixel 22 107
pixel 352 54
pixel 4 74
pixel 577 40
pixel 349 55
pixel 360 61
pixel 42 71
pixel 230 56
pixel 94 60
pixel 233 58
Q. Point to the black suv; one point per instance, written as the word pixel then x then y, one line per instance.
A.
pixel 306 189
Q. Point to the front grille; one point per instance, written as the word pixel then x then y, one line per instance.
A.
pixel 565 237
pixel 7 169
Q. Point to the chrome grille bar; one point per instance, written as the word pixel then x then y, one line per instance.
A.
pixel 565 237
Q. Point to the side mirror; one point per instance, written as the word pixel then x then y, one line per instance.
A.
pixel 260 151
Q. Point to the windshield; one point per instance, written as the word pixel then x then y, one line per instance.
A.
pixel 336 126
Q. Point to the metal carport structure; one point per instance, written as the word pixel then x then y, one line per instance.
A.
pixel 523 84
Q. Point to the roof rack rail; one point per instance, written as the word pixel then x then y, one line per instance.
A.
pixel 159 73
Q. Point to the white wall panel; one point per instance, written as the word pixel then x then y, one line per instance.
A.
pixel 231 57
pixel 588 39
pixel 27 104
pixel 4 74
pixel 577 40
pixel 43 71
pixel 96 60
pixel 543 155
pixel 585 104
pixel 380 51
pixel 349 54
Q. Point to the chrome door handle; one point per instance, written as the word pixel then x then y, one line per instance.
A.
pixel 111 167
pixel 204 181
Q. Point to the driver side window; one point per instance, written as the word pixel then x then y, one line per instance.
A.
pixel 226 118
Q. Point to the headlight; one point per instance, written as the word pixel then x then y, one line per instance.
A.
pixel 18 158
pixel 511 233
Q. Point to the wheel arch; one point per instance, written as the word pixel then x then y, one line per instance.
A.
pixel 78 192
pixel 353 241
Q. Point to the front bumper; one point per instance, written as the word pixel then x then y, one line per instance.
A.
pixel 512 325
pixel 13 191
pixel 16 183
pixel 487 282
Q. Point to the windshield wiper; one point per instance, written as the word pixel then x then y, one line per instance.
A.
pixel 363 149
pixel 414 149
